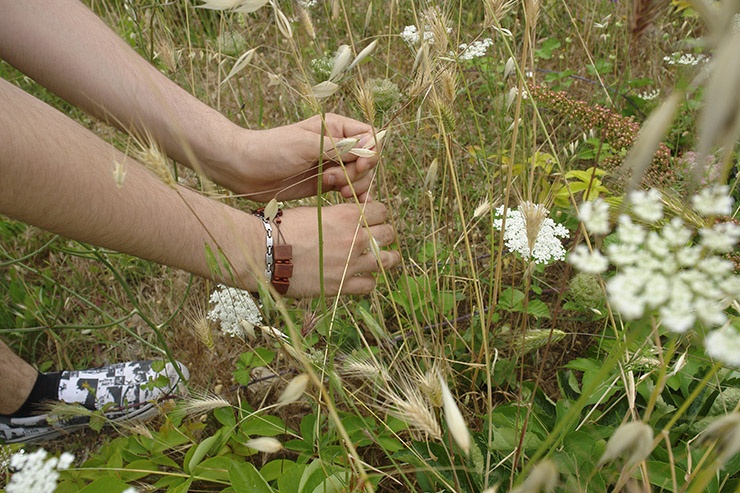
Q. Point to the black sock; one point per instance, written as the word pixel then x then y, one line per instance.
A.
pixel 45 389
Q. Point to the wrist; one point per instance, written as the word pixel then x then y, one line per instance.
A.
pixel 279 254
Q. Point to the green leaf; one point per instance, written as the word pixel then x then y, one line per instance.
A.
pixel 276 468
pixel 245 477
pixel 511 299
pixel 200 452
pixel 334 483
pixel 538 309
pixel 109 484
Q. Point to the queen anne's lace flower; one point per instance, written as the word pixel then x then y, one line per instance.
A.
pixel 231 307
pixel 589 262
pixel 595 216
pixel 662 270
pixel 476 49
pixel 724 345
pixel 411 35
pixel 547 244
pixel 647 205
pixel 34 473
pixel 713 201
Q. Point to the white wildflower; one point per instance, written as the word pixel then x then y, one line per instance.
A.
pixel 410 34
pixel 547 244
pixel 595 216
pixel 721 237
pixel 307 4
pixel 676 233
pixel 649 95
pixel 629 232
pixel 686 59
pixel 663 270
pixel 591 262
pixel 724 345
pixel 231 307
pixel 713 201
pixel 647 205
pixel 34 473
pixel 677 318
pixel 476 49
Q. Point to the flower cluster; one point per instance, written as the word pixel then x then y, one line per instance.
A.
pixel 705 172
pixel 476 49
pixel 687 59
pixel 649 95
pixel 386 94
pixel 663 267
pixel 232 309
pixel 530 233
pixel 411 35
pixel 618 131
pixel 35 473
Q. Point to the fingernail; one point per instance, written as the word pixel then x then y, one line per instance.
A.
pixel 331 179
pixel 367 138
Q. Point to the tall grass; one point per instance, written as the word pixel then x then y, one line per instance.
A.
pixel 478 365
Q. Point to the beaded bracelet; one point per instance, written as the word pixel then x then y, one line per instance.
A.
pixel 278 259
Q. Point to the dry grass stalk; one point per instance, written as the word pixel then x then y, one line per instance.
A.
pixel 201 326
pixel 199 403
pixel 152 156
pixel 534 216
pixel 497 10
pixel 644 15
pixel 413 409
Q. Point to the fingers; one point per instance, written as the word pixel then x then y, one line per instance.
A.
pixel 336 178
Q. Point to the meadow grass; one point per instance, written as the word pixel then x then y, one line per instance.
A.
pixel 486 362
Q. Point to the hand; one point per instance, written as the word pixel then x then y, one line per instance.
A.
pixel 282 162
pixel 349 260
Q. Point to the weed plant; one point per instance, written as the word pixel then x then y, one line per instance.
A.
pixel 518 134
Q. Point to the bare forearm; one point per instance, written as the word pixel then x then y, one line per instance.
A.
pixel 57 175
pixel 68 49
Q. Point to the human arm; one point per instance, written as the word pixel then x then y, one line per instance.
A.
pixel 68 49
pixel 57 175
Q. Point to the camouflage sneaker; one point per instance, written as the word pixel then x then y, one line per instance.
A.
pixel 124 391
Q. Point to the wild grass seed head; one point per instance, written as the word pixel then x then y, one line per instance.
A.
pixel 632 441
pixel 725 432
